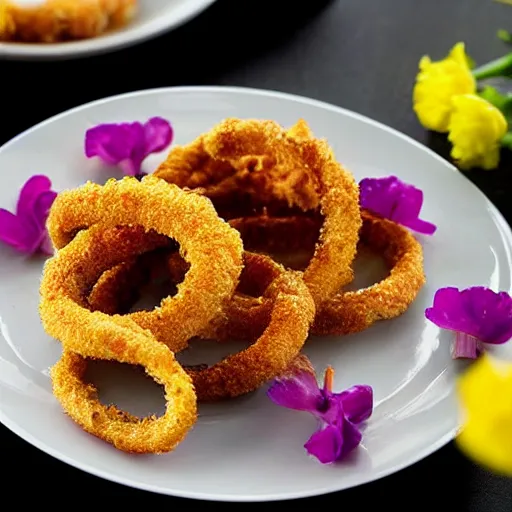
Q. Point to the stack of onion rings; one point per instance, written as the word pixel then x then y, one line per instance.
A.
pixel 102 259
pixel 271 273
pixel 297 201
pixel 259 167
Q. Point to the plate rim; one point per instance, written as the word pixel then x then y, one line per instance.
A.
pixel 20 431
pixel 104 43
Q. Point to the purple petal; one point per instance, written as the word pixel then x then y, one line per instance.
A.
pixel 130 167
pixel 114 143
pixel 128 144
pixel 395 200
pixel 325 444
pixel 300 392
pixel 15 232
pixel 409 201
pixel 476 311
pixel 158 134
pixel 379 195
pixel 351 438
pixel 357 403
pixel 421 226
pixel 45 245
pixel 33 188
pixel 491 313
pixel 448 312
pixel 334 442
pixel 42 207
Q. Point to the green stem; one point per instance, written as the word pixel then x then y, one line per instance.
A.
pixel 506 141
pixel 498 67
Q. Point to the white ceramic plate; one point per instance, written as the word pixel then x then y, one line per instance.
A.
pixel 250 449
pixel 154 18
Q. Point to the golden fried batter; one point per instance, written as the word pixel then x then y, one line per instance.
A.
pixel 288 167
pixel 51 21
pixel 86 334
pixel 210 245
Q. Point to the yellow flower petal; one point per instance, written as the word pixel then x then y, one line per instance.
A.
pixel 485 391
pixel 436 85
pixel 475 130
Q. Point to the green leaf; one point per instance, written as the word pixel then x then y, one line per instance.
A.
pixel 493 96
pixel 501 101
pixel 495 68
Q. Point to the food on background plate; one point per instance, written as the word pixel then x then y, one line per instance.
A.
pixel 256 228
pixel 53 21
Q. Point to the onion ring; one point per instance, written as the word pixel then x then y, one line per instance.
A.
pixel 355 311
pixel 209 244
pixel 292 311
pixel 307 175
pixel 278 323
pixel 351 311
pixel 85 334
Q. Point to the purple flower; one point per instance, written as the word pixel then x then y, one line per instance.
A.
pixel 395 200
pixel 25 231
pixel 339 414
pixel 128 144
pixel 478 315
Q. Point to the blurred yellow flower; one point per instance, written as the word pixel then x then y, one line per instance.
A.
pixel 436 85
pixel 475 130
pixel 485 391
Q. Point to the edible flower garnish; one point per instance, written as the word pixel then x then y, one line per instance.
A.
pixel 438 83
pixel 477 315
pixel 484 391
pixel 451 95
pixel 339 414
pixel 395 200
pixel 25 230
pixel 476 130
pixel 128 144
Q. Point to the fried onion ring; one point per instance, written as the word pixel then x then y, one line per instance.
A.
pixel 350 311
pixel 291 311
pixel 210 245
pixel 269 164
pixel 355 311
pixel 277 323
pixel 85 334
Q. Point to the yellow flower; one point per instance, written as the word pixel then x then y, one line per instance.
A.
pixel 436 85
pixel 476 129
pixel 485 391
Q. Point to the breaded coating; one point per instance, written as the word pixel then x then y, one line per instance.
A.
pixel 355 311
pixel 345 312
pixel 53 21
pixel 291 167
pixel 272 308
pixel 257 177
pixel 291 314
pixel 85 334
pixel 209 244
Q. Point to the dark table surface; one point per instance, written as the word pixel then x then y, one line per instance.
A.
pixel 359 54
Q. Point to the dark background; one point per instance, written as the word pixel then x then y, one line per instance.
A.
pixel 359 54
